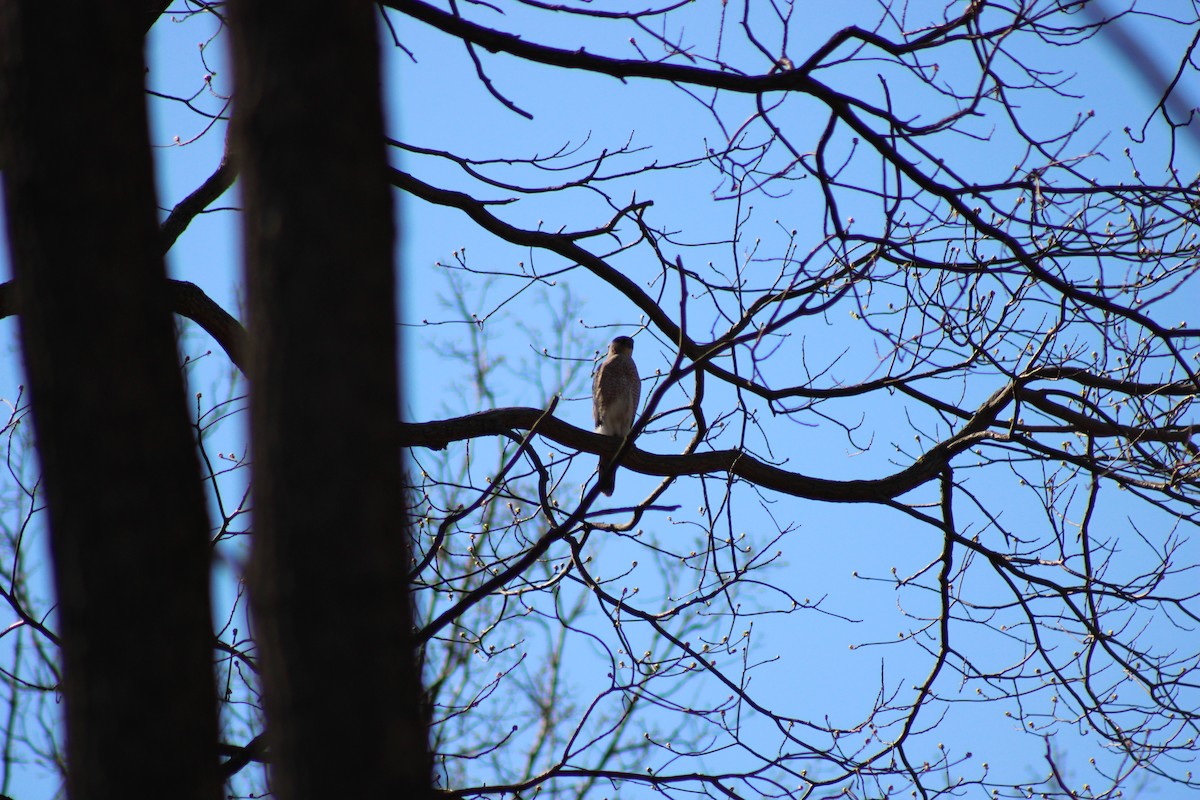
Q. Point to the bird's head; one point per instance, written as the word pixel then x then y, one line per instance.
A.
pixel 621 344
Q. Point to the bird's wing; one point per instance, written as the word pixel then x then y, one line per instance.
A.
pixel 635 394
pixel 597 416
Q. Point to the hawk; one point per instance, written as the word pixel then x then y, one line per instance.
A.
pixel 615 393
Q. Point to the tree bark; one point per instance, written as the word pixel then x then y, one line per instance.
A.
pixel 128 526
pixel 331 548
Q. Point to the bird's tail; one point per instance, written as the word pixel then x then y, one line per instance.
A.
pixel 608 477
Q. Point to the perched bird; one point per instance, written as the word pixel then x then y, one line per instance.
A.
pixel 615 393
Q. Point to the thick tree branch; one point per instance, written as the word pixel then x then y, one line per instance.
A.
pixel 437 434
pixel 188 208
pixel 188 300
pixel 240 756
pixel 500 42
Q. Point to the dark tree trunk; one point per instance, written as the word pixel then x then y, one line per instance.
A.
pixel 126 510
pixel 329 591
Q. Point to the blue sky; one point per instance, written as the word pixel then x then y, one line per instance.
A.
pixel 437 102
